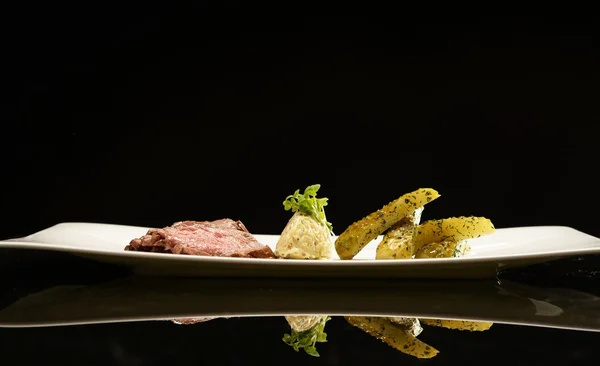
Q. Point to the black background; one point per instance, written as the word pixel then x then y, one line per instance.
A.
pixel 146 116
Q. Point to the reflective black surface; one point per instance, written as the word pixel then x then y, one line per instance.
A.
pixel 97 314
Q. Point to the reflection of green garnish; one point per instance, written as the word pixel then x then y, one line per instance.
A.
pixel 309 204
pixel 308 338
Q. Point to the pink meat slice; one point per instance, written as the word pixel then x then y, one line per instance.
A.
pixel 219 238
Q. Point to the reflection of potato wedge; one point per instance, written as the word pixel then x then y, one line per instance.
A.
pixel 397 242
pixel 363 231
pixel 411 325
pixel 458 324
pixel 393 335
pixel 453 228
pixel 443 249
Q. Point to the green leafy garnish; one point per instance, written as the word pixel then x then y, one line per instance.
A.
pixel 308 339
pixel 309 204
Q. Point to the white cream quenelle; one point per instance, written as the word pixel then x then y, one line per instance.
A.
pixel 307 234
pixel 304 238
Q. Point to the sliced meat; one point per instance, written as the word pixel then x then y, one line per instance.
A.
pixel 219 238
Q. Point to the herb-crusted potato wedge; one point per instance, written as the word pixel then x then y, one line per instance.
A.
pixel 462 248
pixel 459 324
pixel 397 242
pixel 443 249
pixel 363 231
pixel 394 335
pixel 452 229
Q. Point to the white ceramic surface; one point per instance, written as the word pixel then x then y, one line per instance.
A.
pixel 506 248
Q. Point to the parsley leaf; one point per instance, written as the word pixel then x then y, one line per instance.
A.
pixel 309 204
pixel 307 340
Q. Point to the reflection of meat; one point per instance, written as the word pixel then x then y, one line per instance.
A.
pixel 220 238
pixel 188 321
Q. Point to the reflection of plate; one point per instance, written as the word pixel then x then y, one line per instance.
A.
pixel 160 298
pixel 507 248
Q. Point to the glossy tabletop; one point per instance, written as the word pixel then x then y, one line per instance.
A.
pixel 82 312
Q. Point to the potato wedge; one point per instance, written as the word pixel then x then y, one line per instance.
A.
pixel 363 231
pixel 452 228
pixel 393 335
pixel 458 324
pixel 443 249
pixel 462 248
pixel 397 242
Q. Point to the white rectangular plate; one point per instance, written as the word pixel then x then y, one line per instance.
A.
pixel 506 248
